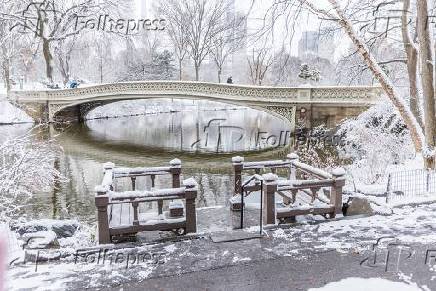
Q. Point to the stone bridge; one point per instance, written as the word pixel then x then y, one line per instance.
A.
pixel 303 104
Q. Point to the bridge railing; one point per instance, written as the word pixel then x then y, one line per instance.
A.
pixel 205 89
pixel 299 189
pixel 118 211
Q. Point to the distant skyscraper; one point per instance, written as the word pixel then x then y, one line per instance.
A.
pixel 312 44
pixel 143 7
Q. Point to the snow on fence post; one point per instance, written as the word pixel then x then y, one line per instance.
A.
pixel 191 188
pixel 292 157
pixel 101 202
pixel 238 165
pixel 176 169
pixel 269 191
pixel 388 187
pixel 336 191
pixel 108 171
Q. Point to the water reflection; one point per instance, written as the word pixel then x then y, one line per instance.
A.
pixel 195 129
pixel 194 135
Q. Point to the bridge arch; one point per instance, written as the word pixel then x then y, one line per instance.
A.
pixel 71 104
pixel 77 111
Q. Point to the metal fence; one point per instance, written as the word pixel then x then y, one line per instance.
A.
pixel 407 185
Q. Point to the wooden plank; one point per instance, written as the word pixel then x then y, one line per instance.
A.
pixel 289 212
pixel 122 214
pixel 143 200
pixel 127 229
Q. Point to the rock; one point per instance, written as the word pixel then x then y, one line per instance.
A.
pixel 40 240
pixel 358 206
pixel 41 256
pixel 62 228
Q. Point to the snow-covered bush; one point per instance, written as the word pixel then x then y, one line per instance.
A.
pixel 27 166
pixel 318 148
pixel 374 140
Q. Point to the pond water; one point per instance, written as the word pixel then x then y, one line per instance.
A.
pixel 204 135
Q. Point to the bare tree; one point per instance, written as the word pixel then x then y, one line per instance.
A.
pixel 8 43
pixel 411 50
pixel 52 22
pixel 26 166
pixel 172 10
pixel 227 42
pixel 63 53
pixel 259 62
pixel 196 24
pixel 426 75
pixel 362 47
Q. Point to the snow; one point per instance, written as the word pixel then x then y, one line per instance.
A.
pixel 41 238
pixel 145 194
pixel 370 284
pixel 338 172
pixel 176 204
pixel 270 177
pixel 237 159
pixel 190 183
pixel 237 259
pixel 175 162
pixel 311 169
pixel 10 114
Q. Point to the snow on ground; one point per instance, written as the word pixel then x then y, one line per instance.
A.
pixel 371 284
pixel 408 224
pixel 10 114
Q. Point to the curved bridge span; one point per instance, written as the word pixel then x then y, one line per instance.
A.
pixel 285 102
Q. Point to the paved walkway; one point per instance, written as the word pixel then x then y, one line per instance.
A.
pixel 293 258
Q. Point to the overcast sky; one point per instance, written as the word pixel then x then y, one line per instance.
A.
pixel 258 10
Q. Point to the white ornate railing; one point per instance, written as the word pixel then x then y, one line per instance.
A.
pixel 361 94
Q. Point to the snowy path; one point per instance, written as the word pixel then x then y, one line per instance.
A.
pixel 345 242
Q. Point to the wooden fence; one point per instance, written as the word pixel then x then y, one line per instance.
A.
pixel 118 212
pixel 300 189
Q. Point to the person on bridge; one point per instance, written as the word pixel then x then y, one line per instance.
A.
pixel 229 80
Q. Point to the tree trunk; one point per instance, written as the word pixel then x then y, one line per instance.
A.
pixel 412 63
pixel 101 70
pixel 180 69
pixel 219 75
pixel 403 109
pixel 6 75
pixel 426 76
pixel 48 57
pixel 197 72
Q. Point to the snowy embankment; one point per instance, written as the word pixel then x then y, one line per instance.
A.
pixel 9 114
pixel 144 107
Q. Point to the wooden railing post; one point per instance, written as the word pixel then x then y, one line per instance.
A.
pixel 190 196
pixel 108 171
pixel 135 213
pixel 293 157
pixel 101 202
pixel 176 169
pixel 269 201
pixel 336 191
pixel 133 183
pixel 238 165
